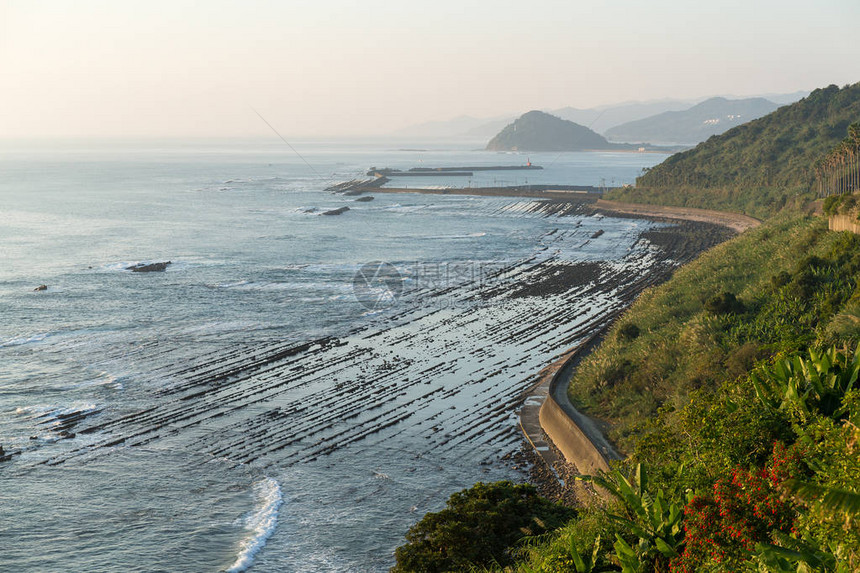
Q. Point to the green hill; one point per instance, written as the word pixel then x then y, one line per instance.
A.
pixel 734 387
pixel 756 167
pixel 539 131
pixel 711 117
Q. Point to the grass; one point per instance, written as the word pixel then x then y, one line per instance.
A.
pixel 681 347
pixel 761 202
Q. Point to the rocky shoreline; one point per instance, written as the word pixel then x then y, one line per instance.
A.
pixel 428 393
pixel 552 468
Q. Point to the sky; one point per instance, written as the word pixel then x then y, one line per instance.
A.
pixel 324 68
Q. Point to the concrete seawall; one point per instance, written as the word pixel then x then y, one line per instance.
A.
pixel 575 435
pixel 571 440
pixel 548 414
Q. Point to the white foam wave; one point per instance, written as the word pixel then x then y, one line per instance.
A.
pixel 260 524
pixel 51 413
pixel 461 236
pixel 342 288
pixel 398 208
pixel 25 339
pixel 102 379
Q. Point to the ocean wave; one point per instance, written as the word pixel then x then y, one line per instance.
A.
pixel 327 287
pixel 58 338
pixel 460 236
pixel 21 340
pixel 260 524
pixel 57 420
pixel 52 411
pixel 398 208
pixel 102 379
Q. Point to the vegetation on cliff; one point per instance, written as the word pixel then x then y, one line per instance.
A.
pixel 539 131
pixel 773 289
pixel 734 388
pixel 740 415
pixel 759 167
pixel 480 526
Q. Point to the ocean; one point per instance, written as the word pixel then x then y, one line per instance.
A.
pixel 294 390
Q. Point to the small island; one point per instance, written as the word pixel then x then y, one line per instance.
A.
pixel 540 131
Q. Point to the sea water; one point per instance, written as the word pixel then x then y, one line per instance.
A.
pixel 314 461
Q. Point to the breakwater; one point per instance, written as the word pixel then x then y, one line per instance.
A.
pixel 448 171
pixel 562 192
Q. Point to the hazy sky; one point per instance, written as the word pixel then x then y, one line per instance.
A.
pixel 326 67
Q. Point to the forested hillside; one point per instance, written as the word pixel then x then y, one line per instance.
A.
pixel 733 388
pixel 756 167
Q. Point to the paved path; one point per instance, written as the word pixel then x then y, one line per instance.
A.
pixel 735 221
pixel 555 378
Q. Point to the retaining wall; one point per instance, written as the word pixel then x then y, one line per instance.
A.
pixel 844 223
pixel 571 440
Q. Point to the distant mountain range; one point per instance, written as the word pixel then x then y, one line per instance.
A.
pixel 694 125
pixel 600 119
pixel 540 131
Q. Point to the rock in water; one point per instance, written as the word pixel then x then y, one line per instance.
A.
pixel 148 268
pixel 365 198
pixel 41 287
pixel 337 211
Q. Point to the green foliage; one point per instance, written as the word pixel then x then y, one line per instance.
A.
pixel 628 332
pixel 806 385
pixel 478 527
pixel 831 204
pixel 581 545
pixel 722 430
pixel 780 279
pixel 653 523
pixel 756 201
pixel 769 495
pixel 682 347
pixel 758 167
pixel 724 303
pixel 573 560
pixel 702 397
pixel 839 205
pixel 839 171
pixel 795 556
pixel 830 498
pixel 831 493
